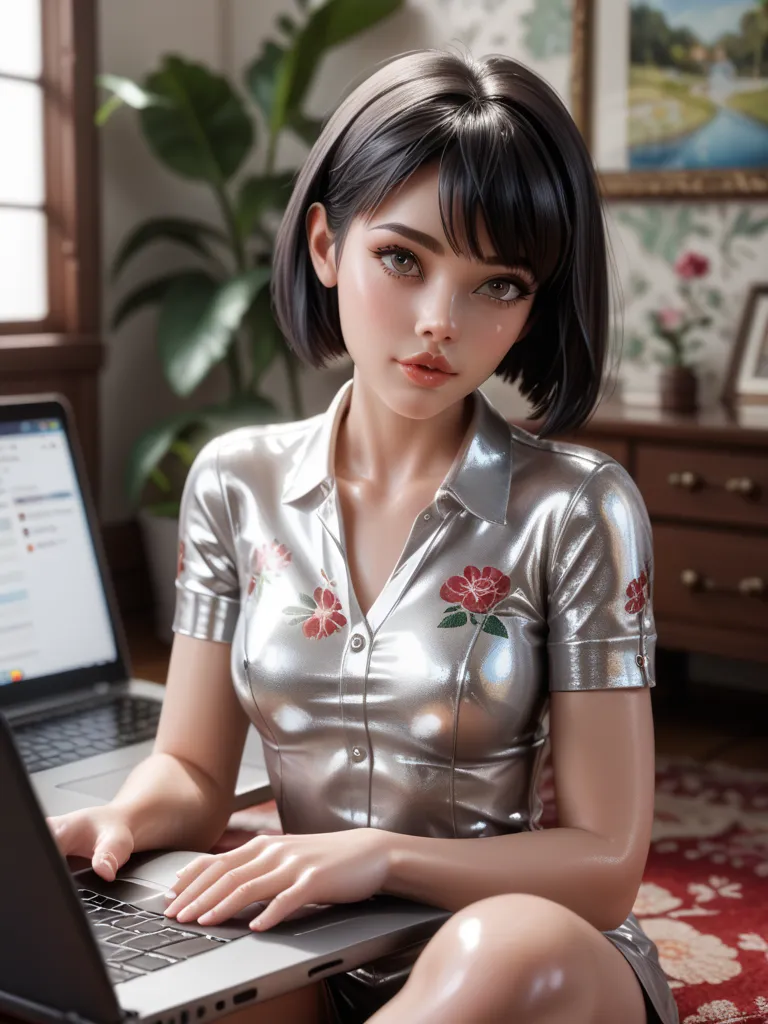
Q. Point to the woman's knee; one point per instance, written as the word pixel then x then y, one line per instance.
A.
pixel 516 949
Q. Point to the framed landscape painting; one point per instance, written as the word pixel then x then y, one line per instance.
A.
pixel 672 95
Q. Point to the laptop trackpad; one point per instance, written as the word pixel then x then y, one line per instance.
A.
pixel 104 786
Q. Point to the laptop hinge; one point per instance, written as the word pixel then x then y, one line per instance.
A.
pixel 93 696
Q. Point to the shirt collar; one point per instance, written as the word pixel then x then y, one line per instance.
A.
pixel 479 478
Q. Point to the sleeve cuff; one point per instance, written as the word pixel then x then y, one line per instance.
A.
pixel 602 664
pixel 205 616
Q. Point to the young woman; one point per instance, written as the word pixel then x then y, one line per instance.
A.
pixel 411 596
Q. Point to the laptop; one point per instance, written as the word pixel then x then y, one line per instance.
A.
pixel 81 722
pixel 85 950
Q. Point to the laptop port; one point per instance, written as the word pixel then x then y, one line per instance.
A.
pixel 244 996
pixel 324 967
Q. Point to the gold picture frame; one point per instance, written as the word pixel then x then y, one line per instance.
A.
pixel 736 183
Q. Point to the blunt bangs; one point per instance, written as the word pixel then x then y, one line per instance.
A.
pixel 507 151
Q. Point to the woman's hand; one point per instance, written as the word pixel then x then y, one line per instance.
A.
pixel 289 870
pixel 100 833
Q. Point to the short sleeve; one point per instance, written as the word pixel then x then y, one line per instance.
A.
pixel 207 587
pixel 602 633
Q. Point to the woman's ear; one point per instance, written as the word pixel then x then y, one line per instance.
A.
pixel 322 250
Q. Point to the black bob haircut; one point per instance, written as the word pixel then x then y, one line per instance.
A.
pixel 508 150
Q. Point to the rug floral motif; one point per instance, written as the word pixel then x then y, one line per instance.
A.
pixel 704 895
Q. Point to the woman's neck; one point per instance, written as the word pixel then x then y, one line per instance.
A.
pixel 389 453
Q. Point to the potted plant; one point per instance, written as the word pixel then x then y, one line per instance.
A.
pixel 218 308
pixel 676 326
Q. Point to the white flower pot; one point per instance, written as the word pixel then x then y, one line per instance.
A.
pixel 161 545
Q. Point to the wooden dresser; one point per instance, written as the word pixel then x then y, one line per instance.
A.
pixel 704 479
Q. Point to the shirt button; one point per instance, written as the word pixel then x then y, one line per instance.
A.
pixel 358 754
pixel 357 642
pixel 427 515
pixel 639 660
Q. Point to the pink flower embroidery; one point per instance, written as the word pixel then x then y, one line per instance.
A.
pixel 691 264
pixel 476 592
pixel 639 591
pixel 180 562
pixel 269 559
pixel 327 617
pixel 320 615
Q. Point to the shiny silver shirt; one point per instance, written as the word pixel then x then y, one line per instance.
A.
pixel 530 571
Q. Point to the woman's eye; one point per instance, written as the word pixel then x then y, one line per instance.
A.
pixel 401 263
pixel 504 291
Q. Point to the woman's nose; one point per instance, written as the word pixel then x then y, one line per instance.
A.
pixel 437 315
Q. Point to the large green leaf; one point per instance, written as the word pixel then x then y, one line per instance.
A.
pixel 279 78
pixel 194 234
pixel 328 26
pixel 261 193
pixel 153 292
pixel 205 132
pixel 197 323
pixel 195 427
pixel 261 76
pixel 124 91
pixel 151 448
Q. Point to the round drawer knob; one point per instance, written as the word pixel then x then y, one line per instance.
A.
pixel 690 579
pixel 752 586
pixel 741 485
pixel 686 479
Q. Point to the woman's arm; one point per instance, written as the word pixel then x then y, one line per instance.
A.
pixel 182 794
pixel 603 761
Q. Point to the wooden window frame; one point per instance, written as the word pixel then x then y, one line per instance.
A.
pixel 64 352
pixel 71 170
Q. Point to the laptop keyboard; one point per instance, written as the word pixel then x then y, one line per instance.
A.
pixel 70 737
pixel 134 941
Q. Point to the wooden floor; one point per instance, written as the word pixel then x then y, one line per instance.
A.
pixel 701 722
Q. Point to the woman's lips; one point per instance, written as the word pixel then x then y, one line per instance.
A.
pixel 424 376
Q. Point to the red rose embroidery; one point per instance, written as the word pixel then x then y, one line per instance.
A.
pixel 270 558
pixel 180 563
pixel 475 592
pixel 320 615
pixel 639 591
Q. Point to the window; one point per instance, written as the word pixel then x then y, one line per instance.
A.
pixel 48 223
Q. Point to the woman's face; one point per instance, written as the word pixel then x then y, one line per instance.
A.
pixel 404 293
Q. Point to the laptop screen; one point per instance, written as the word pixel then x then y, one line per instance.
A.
pixel 54 615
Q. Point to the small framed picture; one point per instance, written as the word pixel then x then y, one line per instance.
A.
pixel 747 379
pixel 672 96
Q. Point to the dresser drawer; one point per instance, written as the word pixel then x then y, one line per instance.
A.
pixel 715 564
pixel 691 483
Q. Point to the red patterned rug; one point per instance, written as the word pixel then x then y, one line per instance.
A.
pixel 704 897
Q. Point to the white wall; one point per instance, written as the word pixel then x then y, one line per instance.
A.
pixel 227 34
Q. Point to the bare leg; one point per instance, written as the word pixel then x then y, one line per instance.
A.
pixel 517 958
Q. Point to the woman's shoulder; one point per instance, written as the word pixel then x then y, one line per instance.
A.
pixel 563 461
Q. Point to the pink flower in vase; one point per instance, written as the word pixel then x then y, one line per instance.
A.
pixel 670 319
pixel 691 265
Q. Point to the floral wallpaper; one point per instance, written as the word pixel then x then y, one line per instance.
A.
pixel 726 242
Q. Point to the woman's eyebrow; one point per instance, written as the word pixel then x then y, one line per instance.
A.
pixel 434 246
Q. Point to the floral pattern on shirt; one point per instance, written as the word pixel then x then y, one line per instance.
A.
pixel 639 591
pixel 320 615
pixel 476 592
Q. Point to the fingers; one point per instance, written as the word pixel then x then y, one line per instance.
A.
pixel 265 887
pixel 112 850
pixel 284 904
pixel 79 834
pixel 205 872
